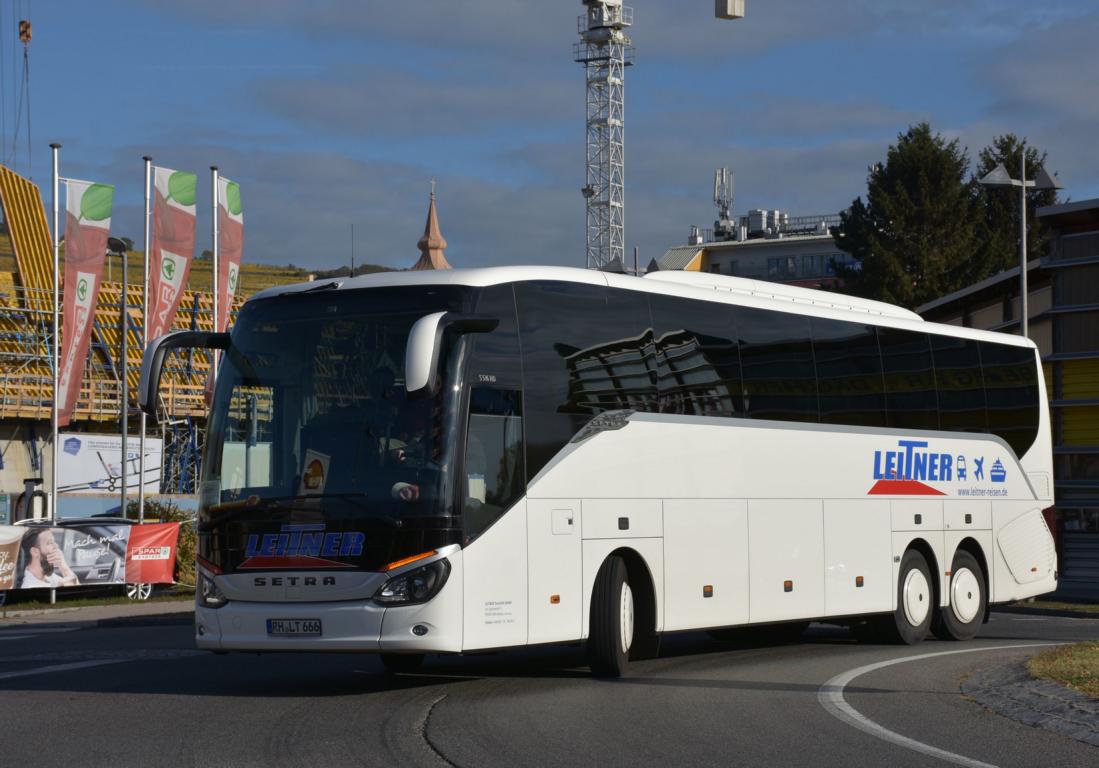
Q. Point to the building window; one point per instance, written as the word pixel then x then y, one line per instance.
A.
pixel 782 268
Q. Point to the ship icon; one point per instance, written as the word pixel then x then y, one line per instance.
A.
pixel 998 474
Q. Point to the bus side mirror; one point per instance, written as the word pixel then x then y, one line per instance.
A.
pixel 425 341
pixel 153 362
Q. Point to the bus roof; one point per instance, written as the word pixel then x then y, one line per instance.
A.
pixel 703 286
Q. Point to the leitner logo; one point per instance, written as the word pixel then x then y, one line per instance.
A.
pixel 907 471
pixel 302 546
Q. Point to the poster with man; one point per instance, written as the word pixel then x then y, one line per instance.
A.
pixel 89 554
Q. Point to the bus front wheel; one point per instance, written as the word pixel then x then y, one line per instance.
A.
pixel 911 621
pixel 612 620
pixel 962 618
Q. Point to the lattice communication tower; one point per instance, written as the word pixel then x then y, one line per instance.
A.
pixel 605 50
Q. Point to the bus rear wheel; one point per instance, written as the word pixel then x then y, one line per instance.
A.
pixel 968 600
pixel 911 621
pixel 612 620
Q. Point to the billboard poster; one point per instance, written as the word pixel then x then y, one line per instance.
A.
pixel 92 464
pixel 88 554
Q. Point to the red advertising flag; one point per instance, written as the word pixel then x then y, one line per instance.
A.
pixel 230 251
pixel 230 246
pixel 87 224
pixel 173 245
pixel 151 554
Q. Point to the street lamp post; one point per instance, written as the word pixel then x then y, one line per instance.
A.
pixel 999 177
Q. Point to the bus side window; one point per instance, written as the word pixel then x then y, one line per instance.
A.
pixel 494 477
pixel 494 457
pixel 960 384
pixel 586 350
pixel 776 354
pixel 911 398
pixel 1011 386
pixel 849 374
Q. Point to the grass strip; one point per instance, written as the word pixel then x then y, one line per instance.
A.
pixel 1075 666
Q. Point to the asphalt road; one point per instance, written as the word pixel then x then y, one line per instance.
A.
pixel 142 696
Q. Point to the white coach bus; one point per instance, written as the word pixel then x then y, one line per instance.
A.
pixel 444 462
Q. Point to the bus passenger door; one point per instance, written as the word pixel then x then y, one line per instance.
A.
pixel 553 551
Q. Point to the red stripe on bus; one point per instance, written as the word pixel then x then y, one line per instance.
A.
pixel 903 488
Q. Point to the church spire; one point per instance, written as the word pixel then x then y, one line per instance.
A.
pixel 432 245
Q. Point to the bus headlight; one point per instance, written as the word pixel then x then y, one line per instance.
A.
pixel 209 596
pixel 417 586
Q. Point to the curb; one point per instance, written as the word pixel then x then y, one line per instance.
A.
pixel 1063 612
pixel 1011 692
pixel 181 618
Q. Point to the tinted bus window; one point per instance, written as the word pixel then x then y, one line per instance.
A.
pixel 911 401
pixel 776 357
pixel 583 354
pixel 698 360
pixel 849 373
pixel 959 383
pixel 1011 386
pixel 627 353
pixel 494 467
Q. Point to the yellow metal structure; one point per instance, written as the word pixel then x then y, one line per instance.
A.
pixel 26 318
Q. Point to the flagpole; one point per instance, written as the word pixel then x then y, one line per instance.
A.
pixel 56 148
pixel 214 230
pixel 144 339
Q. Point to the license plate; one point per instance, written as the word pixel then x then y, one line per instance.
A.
pixel 294 627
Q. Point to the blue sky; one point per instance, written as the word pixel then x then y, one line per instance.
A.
pixel 339 112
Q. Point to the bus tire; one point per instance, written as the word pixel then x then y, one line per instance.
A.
pixel 911 621
pixel 968 600
pixel 399 663
pixel 612 620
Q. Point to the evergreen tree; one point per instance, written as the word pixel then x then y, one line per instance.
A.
pixel 1000 206
pixel 916 237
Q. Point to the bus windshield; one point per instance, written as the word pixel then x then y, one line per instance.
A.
pixel 310 410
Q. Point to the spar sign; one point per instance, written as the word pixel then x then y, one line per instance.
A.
pixel 87 224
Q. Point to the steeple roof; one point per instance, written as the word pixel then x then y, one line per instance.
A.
pixel 432 245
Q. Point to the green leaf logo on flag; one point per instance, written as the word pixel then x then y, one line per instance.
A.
pixel 95 205
pixel 168 269
pixel 232 198
pixel 82 289
pixel 232 282
pixel 181 187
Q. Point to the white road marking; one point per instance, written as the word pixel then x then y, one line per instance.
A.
pixel 59 668
pixel 831 698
